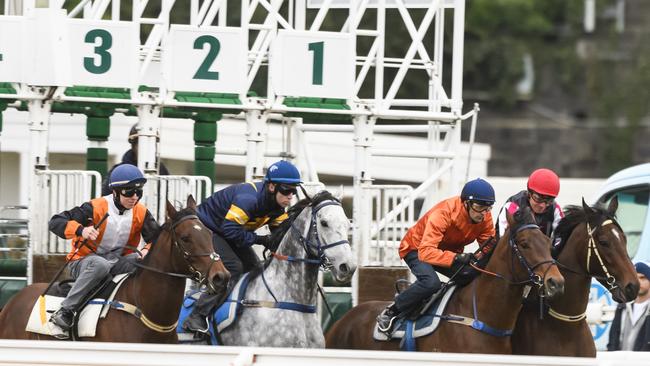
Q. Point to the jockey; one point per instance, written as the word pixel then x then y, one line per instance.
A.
pixel 109 248
pixel 233 214
pixel 131 157
pixel 436 243
pixel 543 187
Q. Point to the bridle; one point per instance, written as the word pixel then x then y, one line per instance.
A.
pixel 592 248
pixel 533 278
pixel 196 275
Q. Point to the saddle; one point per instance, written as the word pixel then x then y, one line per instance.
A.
pixel 421 321
pixel 92 308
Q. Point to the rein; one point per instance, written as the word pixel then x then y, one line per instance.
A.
pixel 610 280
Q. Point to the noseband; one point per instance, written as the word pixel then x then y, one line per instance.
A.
pixel 532 277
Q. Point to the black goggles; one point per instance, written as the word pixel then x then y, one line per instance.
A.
pixel 286 189
pixel 129 192
pixel 539 198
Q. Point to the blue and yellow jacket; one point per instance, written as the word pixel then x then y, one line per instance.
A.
pixel 236 211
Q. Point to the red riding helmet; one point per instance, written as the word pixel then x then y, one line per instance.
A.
pixel 545 182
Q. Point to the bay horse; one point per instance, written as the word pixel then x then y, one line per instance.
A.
pixel 494 298
pixel 280 308
pixel 183 250
pixel 592 245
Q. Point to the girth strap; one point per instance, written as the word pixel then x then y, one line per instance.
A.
pixel 478 325
pixel 277 305
pixel 133 310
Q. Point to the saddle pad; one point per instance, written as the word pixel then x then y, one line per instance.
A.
pixel 226 314
pixel 39 318
pixel 425 323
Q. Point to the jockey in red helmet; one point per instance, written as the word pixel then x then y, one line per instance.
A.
pixel 543 187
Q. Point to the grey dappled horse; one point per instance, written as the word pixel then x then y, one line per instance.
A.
pixel 314 236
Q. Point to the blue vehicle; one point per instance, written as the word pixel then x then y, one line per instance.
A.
pixel 632 187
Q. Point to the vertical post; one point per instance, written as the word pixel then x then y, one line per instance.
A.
pixel 362 210
pixel 255 143
pixel 205 138
pixel 457 57
pixel 148 127
pixel 98 127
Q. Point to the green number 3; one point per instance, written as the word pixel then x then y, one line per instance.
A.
pixel 214 47
pixel 101 50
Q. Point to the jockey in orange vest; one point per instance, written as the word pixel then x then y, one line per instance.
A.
pixel 436 243
pixel 110 248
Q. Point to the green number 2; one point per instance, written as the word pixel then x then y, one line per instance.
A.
pixel 214 47
pixel 317 63
pixel 101 50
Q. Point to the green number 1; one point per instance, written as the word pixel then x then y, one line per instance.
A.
pixel 317 63
pixel 105 58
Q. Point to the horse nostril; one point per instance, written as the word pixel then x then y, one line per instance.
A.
pixel 554 287
pixel 343 268
pixel 631 290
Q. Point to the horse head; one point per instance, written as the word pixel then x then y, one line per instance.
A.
pixel 533 251
pixel 191 244
pixel 323 227
pixel 606 258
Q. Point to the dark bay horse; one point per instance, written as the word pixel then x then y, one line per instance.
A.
pixel 283 298
pixel 592 245
pixel 521 258
pixel 183 250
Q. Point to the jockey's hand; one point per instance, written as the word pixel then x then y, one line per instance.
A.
pixel 264 240
pixel 89 232
pixel 464 258
pixel 143 252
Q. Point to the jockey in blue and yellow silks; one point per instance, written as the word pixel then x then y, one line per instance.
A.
pixel 233 214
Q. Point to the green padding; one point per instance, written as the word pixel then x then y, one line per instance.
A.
pixel 318 103
pixel 204 153
pixel 339 303
pixel 97 153
pixel 94 92
pixel 6 88
pixel 205 132
pixel 9 288
pixel 13 267
pixel 216 98
pixel 98 128
pixel 205 168
pixel 97 165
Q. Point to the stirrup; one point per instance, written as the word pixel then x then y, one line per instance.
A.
pixel 388 328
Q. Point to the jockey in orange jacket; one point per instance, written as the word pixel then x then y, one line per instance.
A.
pixel 108 249
pixel 436 243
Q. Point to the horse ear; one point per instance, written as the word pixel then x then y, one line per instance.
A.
pixel 613 205
pixel 510 218
pixel 191 203
pixel 171 210
pixel 588 210
pixel 339 193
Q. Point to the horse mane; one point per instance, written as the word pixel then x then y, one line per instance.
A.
pixel 573 216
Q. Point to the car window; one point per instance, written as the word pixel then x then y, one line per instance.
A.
pixel 631 214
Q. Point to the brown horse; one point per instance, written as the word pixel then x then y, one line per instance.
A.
pixel 593 245
pixel 494 296
pixel 183 250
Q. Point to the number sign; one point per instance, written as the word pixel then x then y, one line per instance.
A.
pixel 313 64
pixel 10 49
pixel 103 53
pixel 206 59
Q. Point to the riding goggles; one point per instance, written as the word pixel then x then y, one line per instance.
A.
pixel 129 192
pixel 480 208
pixel 286 189
pixel 547 200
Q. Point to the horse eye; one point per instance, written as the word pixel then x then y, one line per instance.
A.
pixel 604 243
pixel 524 244
pixel 185 238
pixel 323 223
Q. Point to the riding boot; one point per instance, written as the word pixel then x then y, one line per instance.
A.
pixel 386 318
pixel 63 318
pixel 197 321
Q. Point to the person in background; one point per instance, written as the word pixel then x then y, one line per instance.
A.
pixel 630 329
pixel 109 248
pixel 542 188
pixel 436 243
pixel 233 214
pixel 131 157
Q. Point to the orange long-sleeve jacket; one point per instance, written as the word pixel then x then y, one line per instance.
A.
pixel 444 231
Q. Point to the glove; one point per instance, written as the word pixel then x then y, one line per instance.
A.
pixel 464 258
pixel 264 240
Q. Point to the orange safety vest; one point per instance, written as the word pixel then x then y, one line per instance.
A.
pixel 100 207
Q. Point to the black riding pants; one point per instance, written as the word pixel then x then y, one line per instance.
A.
pixel 237 260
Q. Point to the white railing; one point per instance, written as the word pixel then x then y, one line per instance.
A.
pixel 387 230
pixel 14 352
pixel 175 188
pixel 57 191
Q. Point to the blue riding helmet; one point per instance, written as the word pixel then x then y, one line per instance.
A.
pixel 479 191
pixel 283 172
pixel 127 175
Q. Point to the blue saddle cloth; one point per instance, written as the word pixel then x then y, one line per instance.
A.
pixel 224 315
pixel 424 325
